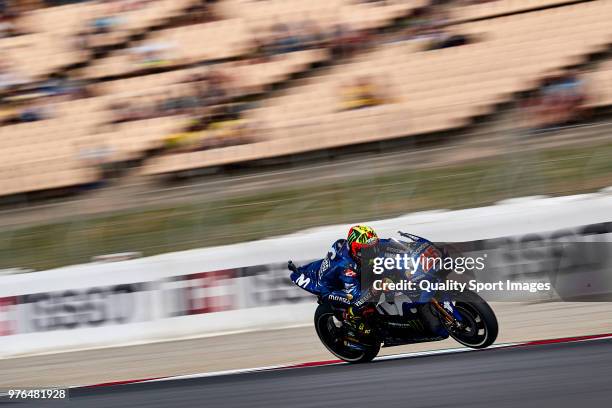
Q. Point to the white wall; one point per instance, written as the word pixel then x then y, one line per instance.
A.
pixel 158 308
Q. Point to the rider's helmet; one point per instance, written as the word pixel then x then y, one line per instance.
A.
pixel 359 238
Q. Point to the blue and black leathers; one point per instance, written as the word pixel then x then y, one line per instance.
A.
pixel 335 278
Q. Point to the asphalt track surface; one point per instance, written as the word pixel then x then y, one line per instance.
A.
pixel 550 375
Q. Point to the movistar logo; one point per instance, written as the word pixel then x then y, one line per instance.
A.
pixel 302 281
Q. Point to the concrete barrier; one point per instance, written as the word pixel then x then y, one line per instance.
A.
pixel 240 287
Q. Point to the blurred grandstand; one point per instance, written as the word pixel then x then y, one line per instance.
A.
pixel 104 102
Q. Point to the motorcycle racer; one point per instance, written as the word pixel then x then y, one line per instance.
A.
pixel 338 274
pixel 353 320
pixel 337 278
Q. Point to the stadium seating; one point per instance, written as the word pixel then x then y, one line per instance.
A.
pixel 499 7
pixel 49 42
pixel 432 90
pixel 420 91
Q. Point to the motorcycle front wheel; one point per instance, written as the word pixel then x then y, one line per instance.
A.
pixel 479 324
pixel 330 333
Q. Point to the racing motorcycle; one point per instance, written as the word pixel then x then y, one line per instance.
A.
pixel 407 316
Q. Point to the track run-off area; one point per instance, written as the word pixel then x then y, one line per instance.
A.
pixel 565 372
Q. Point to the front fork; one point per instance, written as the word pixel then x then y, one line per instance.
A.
pixel 452 319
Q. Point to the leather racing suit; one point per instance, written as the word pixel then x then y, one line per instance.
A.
pixel 339 277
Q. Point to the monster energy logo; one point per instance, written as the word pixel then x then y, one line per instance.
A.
pixel 362 235
pixel 410 324
pixel 354 236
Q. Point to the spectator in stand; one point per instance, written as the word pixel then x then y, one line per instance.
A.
pixel 40 108
pixel 559 101
pixel 362 94
pixel 217 89
pixel 81 41
pixel 7 28
pixel 339 43
pixel 446 39
pixel 102 30
pixel 259 51
pixel 431 26
pixel 311 35
pixel 120 111
pixel 124 6
pixel 100 157
pixel 284 40
pixel 570 89
pixel 62 84
pixel 152 55
pixel 210 89
pixel 201 12
pixel 102 25
pixel 8 19
pixel 9 79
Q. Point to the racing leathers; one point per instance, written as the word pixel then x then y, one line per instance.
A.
pixel 338 278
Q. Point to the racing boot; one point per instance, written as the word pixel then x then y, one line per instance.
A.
pixel 356 321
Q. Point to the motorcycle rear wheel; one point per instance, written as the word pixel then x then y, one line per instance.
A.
pixel 330 335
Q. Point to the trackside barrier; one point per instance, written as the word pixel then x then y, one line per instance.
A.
pixel 241 287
